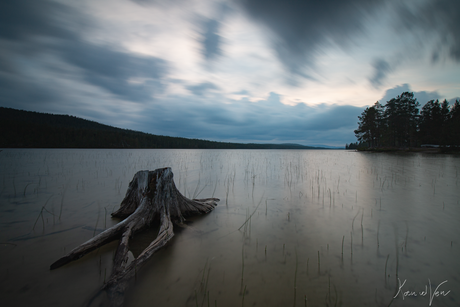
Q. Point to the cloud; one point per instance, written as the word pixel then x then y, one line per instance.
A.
pixel 109 63
pixel 22 93
pixel 453 100
pixel 267 120
pixel 301 32
pixel 161 2
pixel 242 92
pixel 100 68
pixel 211 40
pixel 381 69
pixel 445 16
pixel 24 28
pixel 422 97
pixel 440 18
pixel 301 29
pixel 24 19
pixel 202 88
pixel 127 75
pixel 44 47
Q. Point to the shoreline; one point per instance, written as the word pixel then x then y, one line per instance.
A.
pixel 440 150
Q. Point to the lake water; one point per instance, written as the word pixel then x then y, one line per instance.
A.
pixel 324 228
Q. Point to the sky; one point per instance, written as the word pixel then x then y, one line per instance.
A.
pixel 250 71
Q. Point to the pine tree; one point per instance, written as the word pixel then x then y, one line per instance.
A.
pixel 401 120
pixel 430 122
pixel 453 125
pixel 369 129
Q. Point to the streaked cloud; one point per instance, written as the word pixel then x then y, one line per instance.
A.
pixel 202 88
pixel 436 22
pixel 236 70
pixel 303 29
pixel 129 76
pixel 211 39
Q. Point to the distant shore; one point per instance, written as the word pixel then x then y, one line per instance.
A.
pixel 25 129
pixel 412 149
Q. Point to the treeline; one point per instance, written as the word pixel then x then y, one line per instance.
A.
pixel 401 124
pixel 25 129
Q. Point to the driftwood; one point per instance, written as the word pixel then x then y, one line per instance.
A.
pixel 151 195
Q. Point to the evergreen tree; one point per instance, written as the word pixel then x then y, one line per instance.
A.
pixel 443 131
pixel 398 123
pixel 401 120
pixel 453 125
pixel 430 122
pixel 369 129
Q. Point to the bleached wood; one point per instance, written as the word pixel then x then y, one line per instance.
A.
pixel 150 196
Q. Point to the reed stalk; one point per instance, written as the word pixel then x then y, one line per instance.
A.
pixel 386 263
pixel 351 245
pixel 247 219
pixel 343 239
pixel 319 263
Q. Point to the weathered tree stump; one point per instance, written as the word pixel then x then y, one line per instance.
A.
pixel 151 196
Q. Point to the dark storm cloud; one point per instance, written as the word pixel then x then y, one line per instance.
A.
pixel 41 39
pixel 381 69
pixel 436 17
pixel 21 19
pixel 202 88
pixel 128 76
pixel 303 28
pixel 446 20
pixel 211 40
pixel 25 94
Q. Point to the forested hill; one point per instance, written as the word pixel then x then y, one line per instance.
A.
pixel 25 129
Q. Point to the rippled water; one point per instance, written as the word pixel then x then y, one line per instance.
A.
pixel 324 228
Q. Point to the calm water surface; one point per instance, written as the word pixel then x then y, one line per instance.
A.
pixel 324 228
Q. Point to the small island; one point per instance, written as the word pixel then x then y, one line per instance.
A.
pixel 399 125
